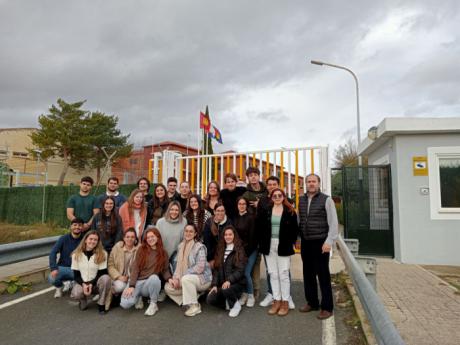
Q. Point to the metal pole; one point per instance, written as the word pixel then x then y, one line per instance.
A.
pixel 321 63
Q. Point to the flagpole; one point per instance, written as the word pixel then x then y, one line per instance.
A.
pixel 198 163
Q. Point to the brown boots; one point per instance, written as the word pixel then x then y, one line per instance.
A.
pixel 279 307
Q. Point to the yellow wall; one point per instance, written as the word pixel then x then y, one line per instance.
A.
pixel 13 151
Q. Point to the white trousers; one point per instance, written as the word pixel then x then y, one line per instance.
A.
pixel 188 293
pixel 278 268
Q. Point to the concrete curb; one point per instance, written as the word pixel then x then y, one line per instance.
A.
pixel 38 275
pixel 365 325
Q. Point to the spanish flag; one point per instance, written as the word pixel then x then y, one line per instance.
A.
pixel 205 121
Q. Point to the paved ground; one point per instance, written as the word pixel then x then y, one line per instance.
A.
pixel 45 320
pixel 424 309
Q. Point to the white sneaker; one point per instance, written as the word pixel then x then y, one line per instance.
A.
pixel 251 301
pixel 243 298
pixel 152 309
pixel 268 300
pixel 291 303
pixel 161 296
pixel 96 298
pixel 235 311
pixel 193 310
pixel 139 303
pixel 58 293
pixel 67 286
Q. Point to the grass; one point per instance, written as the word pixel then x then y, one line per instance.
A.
pixel 14 233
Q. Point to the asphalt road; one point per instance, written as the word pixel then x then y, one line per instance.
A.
pixel 45 320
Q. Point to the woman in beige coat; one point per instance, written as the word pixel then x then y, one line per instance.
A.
pixel 120 259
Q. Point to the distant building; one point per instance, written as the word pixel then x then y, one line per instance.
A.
pixel 19 168
pixel 424 155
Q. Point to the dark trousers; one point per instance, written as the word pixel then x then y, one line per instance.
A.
pixel 231 294
pixel 315 263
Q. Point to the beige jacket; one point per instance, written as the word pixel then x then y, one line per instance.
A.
pixel 116 264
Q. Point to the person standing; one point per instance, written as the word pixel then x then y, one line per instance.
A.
pixel 157 207
pixel 83 205
pixel 196 214
pixel 108 223
pixel 112 190
pixel 171 184
pixel 318 229
pixel 213 231
pixel 255 189
pixel 278 234
pixel 61 275
pixel 144 185
pixel 184 191
pixel 212 196
pixel 230 194
pixel 133 213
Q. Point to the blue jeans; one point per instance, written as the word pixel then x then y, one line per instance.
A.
pixel 248 270
pixel 64 273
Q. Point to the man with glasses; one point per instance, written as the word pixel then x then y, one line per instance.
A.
pixel 318 229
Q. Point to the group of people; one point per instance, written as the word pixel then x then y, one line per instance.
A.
pixel 124 251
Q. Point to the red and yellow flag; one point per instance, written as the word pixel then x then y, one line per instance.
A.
pixel 205 122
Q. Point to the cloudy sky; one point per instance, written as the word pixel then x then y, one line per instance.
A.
pixel 156 64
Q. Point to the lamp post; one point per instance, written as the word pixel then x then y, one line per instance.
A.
pixel 321 63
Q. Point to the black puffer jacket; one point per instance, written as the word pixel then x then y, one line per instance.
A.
pixel 230 270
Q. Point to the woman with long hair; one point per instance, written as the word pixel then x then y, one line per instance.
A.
pixel 213 230
pixel 212 196
pixel 196 214
pixel 144 185
pixel 278 233
pixel 171 228
pixel 119 263
pixel 150 262
pixel 158 205
pixel 228 281
pixel 108 223
pixel 192 274
pixel 230 194
pixel 133 213
pixel 89 266
pixel 245 226
pixel 184 195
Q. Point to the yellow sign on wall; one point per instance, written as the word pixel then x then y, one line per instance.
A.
pixel 420 166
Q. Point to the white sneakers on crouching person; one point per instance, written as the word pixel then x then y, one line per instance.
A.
pixel 161 296
pixel 139 303
pixel 67 285
pixel 152 309
pixel 251 301
pixel 58 292
pixel 243 298
pixel 268 300
pixel 235 311
pixel 194 309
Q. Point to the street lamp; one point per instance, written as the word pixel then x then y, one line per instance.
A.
pixel 321 63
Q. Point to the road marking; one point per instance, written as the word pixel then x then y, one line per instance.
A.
pixel 25 298
pixel 329 337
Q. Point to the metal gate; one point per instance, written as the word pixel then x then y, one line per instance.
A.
pixel 291 165
pixel 367 207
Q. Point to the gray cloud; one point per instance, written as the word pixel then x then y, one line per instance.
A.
pixel 157 64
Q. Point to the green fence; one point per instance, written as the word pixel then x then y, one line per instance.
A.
pixel 24 205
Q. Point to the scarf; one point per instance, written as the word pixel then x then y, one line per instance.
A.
pixel 183 252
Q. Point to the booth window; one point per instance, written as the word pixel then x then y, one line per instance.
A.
pixel 444 179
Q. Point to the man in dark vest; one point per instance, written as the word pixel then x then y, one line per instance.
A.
pixel 318 229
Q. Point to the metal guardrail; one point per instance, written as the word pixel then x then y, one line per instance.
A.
pixel 384 330
pixel 20 251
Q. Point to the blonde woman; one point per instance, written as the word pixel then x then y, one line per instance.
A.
pixel 192 274
pixel 89 266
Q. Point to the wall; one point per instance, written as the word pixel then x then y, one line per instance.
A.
pixel 421 239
